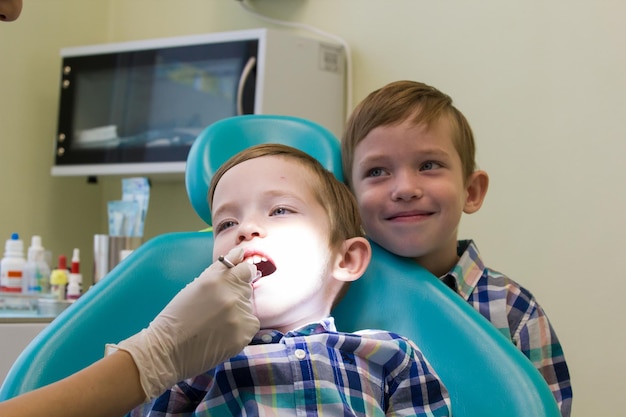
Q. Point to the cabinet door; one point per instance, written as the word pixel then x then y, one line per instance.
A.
pixel 14 337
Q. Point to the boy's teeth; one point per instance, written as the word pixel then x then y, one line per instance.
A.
pixel 255 259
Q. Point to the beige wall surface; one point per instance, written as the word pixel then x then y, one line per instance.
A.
pixel 65 212
pixel 542 84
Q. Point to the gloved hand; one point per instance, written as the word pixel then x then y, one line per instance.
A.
pixel 207 322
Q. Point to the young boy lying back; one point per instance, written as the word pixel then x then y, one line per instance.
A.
pixel 280 210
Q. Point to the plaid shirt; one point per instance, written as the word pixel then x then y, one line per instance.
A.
pixel 309 372
pixel 515 312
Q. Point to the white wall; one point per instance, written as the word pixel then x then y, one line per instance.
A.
pixel 65 212
pixel 544 86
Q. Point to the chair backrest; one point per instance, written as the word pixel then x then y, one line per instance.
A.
pixel 225 138
pixel 485 374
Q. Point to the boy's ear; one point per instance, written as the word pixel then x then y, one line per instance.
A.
pixel 476 189
pixel 352 259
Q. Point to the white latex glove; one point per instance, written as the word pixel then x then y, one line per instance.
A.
pixel 207 322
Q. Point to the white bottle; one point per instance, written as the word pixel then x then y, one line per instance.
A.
pixel 12 265
pixel 36 270
pixel 75 286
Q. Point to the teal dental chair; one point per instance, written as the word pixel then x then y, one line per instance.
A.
pixel 485 374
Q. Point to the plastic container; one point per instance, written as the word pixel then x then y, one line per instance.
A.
pixel 36 271
pixel 74 290
pixel 75 286
pixel 59 279
pixel 51 307
pixel 12 265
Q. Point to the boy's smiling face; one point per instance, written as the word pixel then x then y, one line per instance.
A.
pixel 266 205
pixel 409 184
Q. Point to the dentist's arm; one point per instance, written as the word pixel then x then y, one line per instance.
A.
pixel 109 387
pixel 207 322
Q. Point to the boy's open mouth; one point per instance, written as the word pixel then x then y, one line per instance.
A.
pixel 263 265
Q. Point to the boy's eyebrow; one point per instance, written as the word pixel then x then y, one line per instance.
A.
pixel 221 208
pixel 282 193
pixel 434 152
pixel 426 152
pixel 373 158
pixel 278 193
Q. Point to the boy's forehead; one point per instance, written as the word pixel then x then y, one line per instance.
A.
pixel 426 121
pixel 414 119
pixel 270 170
pixel 414 129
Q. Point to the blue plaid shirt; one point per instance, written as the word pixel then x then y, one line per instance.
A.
pixel 515 312
pixel 309 372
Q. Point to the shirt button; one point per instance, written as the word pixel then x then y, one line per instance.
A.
pixel 267 338
pixel 300 354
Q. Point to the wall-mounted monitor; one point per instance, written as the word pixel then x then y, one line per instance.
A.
pixel 136 107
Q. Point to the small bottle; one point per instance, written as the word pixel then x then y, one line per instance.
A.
pixel 59 279
pixel 75 286
pixel 12 265
pixel 36 271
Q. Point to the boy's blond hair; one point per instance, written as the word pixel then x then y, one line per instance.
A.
pixel 397 102
pixel 339 203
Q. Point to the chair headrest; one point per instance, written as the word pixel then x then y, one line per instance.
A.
pixel 223 139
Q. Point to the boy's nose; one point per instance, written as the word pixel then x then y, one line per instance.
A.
pixel 406 188
pixel 249 230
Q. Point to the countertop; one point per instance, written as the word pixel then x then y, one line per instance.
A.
pixel 23 317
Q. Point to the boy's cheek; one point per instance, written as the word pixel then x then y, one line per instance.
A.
pixel 367 196
pixel 359 189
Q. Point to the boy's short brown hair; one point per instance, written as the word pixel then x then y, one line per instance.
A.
pixel 398 101
pixel 339 203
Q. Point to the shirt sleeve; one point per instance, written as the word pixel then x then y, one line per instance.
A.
pixel 415 389
pixel 180 400
pixel 533 334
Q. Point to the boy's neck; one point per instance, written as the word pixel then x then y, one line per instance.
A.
pixel 440 264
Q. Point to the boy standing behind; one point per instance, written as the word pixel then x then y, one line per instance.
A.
pixel 408 156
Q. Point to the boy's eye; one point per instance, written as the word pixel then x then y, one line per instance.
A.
pixel 281 211
pixel 224 225
pixel 375 172
pixel 427 166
